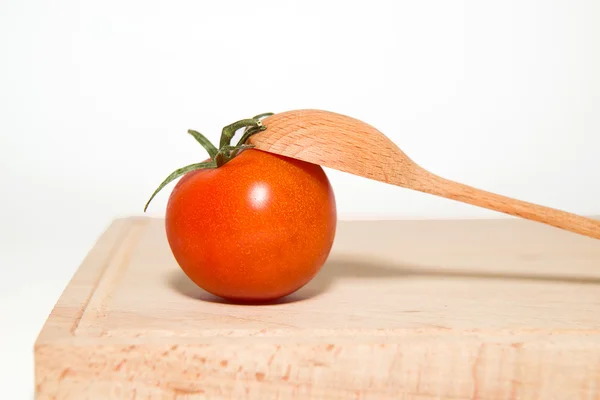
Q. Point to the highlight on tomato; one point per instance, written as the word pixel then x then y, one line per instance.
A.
pixel 248 225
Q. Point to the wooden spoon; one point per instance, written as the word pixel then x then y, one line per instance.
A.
pixel 347 144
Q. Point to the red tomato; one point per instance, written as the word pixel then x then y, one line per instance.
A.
pixel 255 229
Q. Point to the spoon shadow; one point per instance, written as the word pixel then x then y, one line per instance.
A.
pixel 341 268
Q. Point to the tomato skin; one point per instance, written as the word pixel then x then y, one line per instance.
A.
pixel 255 229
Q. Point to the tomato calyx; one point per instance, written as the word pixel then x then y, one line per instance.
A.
pixel 218 156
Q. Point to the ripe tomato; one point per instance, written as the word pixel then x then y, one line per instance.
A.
pixel 255 229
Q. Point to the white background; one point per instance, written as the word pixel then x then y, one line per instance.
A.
pixel 96 98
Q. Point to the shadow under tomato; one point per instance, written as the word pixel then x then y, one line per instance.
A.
pixel 339 267
pixel 180 282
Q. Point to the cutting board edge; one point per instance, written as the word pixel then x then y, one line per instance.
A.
pixel 464 368
pixel 63 318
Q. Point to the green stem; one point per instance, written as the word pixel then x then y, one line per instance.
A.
pixel 179 172
pixel 219 157
pixel 230 130
pixel 208 146
pixel 249 132
pixel 260 116
pixel 227 153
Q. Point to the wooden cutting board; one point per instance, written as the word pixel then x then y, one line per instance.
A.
pixel 473 309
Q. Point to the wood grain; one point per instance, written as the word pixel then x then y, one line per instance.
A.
pixel 350 145
pixel 474 309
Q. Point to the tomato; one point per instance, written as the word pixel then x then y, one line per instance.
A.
pixel 257 228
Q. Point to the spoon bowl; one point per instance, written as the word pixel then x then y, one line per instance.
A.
pixel 347 144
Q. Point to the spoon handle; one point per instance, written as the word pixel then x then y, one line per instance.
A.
pixel 439 186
